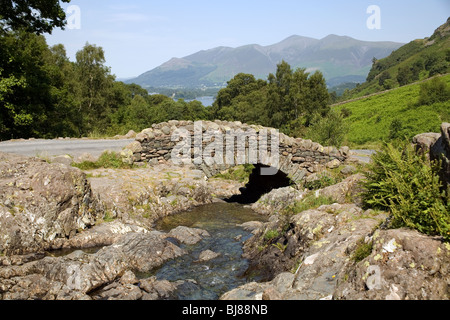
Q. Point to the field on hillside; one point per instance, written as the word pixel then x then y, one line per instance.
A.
pixel 395 113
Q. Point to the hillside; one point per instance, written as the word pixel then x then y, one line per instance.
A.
pixel 393 113
pixel 417 60
pixel 341 59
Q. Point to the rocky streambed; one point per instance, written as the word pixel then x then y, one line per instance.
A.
pixel 161 234
pixel 66 234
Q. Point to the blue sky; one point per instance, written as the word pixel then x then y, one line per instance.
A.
pixel 139 35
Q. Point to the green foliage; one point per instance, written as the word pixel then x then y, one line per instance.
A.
pixel 239 173
pixel 108 216
pixel 434 91
pixel 362 251
pixel 37 16
pixel 395 129
pixel 271 235
pixel 329 130
pixel 95 83
pixel 7 88
pixel 325 180
pixel 44 95
pixel 37 103
pixel 308 203
pixel 408 185
pixel 107 160
pixel 417 60
pixel 288 100
pixel 372 119
pixel 280 247
pixel 295 94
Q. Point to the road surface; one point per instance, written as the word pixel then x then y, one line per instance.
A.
pixel 72 147
pixel 362 155
pixel 78 147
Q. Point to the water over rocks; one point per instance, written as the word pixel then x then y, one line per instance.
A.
pixel 317 254
pixel 46 207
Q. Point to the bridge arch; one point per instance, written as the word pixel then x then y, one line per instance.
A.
pixel 207 145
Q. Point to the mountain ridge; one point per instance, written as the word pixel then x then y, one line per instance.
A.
pixel 336 56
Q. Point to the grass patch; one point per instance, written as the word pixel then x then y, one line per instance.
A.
pixel 240 173
pixel 108 160
pixel 308 203
pixel 363 250
pixel 325 179
pixel 108 217
pixel 394 114
pixel 271 235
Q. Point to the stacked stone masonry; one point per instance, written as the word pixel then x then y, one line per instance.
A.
pixel 298 158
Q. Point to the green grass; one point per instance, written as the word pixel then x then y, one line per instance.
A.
pixel 363 250
pixel 240 173
pixel 308 203
pixel 271 235
pixel 107 160
pixel 371 118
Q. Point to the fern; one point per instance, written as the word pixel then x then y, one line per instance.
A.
pixel 408 185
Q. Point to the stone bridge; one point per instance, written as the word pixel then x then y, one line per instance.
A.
pixel 214 147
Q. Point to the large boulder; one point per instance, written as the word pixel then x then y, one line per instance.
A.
pixel 340 252
pixel 438 146
pixel 347 191
pixel 403 265
pixel 78 274
pixel 41 202
pixel 441 151
pixel 276 200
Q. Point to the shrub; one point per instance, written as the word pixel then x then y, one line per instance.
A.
pixel 346 112
pixel 395 129
pixel 433 91
pixel 330 130
pixel 408 185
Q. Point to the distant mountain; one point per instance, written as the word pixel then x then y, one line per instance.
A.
pixel 338 57
pixel 415 61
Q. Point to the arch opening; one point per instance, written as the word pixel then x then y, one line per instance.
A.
pixel 260 185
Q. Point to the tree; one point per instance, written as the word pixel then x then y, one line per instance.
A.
pixel 404 75
pixel 383 77
pixel 430 60
pixel 318 97
pixel 95 86
pixel 300 90
pixel 64 89
pixel 36 16
pixel 7 110
pixel 278 100
pixel 241 84
pixel 26 109
pixel 243 99
pixel 329 130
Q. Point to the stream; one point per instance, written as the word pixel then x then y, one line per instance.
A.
pixel 218 276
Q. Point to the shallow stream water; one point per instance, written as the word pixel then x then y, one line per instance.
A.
pixel 217 276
